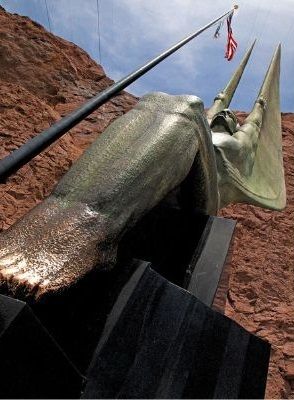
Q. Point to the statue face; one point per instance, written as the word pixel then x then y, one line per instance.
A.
pixel 225 121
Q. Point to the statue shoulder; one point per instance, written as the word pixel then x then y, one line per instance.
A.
pixel 187 105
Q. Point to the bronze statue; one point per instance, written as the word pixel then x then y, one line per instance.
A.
pixel 249 158
pixel 164 144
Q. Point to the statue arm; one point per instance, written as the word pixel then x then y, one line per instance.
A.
pixel 248 133
pixel 240 148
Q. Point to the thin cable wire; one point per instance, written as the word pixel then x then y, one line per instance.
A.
pixel 263 23
pixel 271 13
pixel 289 30
pixel 48 16
pixel 71 25
pixel 98 30
pixel 253 26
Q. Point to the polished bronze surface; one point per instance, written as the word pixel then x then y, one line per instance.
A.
pixel 128 170
pixel 52 247
pixel 164 143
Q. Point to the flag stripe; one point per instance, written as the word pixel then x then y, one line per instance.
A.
pixel 231 42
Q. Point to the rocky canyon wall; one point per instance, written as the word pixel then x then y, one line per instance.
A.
pixel 42 78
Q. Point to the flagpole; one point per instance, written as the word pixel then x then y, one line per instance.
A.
pixel 25 153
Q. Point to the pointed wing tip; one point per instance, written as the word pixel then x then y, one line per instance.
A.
pixel 279 48
pixel 249 51
pixel 277 55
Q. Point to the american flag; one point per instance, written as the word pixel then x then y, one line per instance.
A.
pixel 231 42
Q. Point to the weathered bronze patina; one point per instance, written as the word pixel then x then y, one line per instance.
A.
pixel 137 162
pixel 249 157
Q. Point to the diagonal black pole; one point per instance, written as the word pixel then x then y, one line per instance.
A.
pixel 34 146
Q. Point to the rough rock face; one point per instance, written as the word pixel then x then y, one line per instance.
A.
pixel 42 78
pixel 261 294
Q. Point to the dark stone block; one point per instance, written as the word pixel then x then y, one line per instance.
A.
pixel 172 239
pixel 208 277
pixel 77 316
pixel 32 365
pixel 180 246
pixel 191 250
pixel 161 342
pixel 168 238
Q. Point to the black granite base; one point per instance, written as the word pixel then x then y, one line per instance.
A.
pixel 209 269
pixel 32 365
pixel 161 342
pixel 189 251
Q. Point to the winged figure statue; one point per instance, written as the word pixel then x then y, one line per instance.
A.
pixel 165 144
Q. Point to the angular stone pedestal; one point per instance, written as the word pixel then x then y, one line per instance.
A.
pixel 190 252
pixel 161 342
pixel 209 269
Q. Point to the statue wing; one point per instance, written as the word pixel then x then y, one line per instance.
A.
pixel 257 176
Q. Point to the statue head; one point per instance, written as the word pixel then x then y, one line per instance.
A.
pixel 224 121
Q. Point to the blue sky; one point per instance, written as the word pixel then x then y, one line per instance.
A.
pixel 134 31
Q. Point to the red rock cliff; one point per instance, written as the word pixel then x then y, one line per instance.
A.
pixel 42 78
